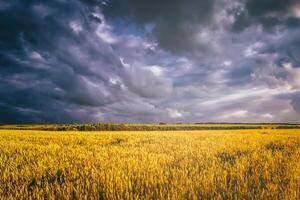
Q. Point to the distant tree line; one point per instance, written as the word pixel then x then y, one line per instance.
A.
pixel 147 127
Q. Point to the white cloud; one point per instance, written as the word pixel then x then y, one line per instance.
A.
pixel 253 49
pixel 242 94
pixel 151 46
pixel 104 30
pixel 295 11
pixel 156 70
pixel 293 76
pixel 76 26
pixel 235 114
pixel 288 66
pixel 227 63
pixel 267 115
pixel 173 113
pixel 124 63
pixel 36 56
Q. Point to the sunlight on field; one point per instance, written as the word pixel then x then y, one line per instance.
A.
pixel 229 164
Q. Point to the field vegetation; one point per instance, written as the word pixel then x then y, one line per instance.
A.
pixel 147 127
pixel 212 164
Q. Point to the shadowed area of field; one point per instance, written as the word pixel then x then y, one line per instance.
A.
pixel 219 164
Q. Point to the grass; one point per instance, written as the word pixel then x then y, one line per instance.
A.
pixel 219 164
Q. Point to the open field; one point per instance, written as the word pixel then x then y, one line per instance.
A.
pixel 214 164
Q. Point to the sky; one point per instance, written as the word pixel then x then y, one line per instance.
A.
pixel 141 61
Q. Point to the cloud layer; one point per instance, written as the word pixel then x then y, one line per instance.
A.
pixel 149 61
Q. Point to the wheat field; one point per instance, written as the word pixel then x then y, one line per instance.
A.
pixel 214 164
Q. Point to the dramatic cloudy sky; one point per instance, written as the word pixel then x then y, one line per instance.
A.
pixel 64 61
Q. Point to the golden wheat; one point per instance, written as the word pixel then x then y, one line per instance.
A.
pixel 229 164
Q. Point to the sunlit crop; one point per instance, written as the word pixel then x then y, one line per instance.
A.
pixel 215 164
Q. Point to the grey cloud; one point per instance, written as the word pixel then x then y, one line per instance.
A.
pixel 267 13
pixel 146 84
pixel 51 73
pixel 239 75
pixel 293 98
pixel 296 102
pixel 175 23
pixel 76 62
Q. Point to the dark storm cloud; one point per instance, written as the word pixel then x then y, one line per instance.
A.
pixel 36 79
pixel 268 13
pixel 149 61
pixel 175 22
pixel 56 68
